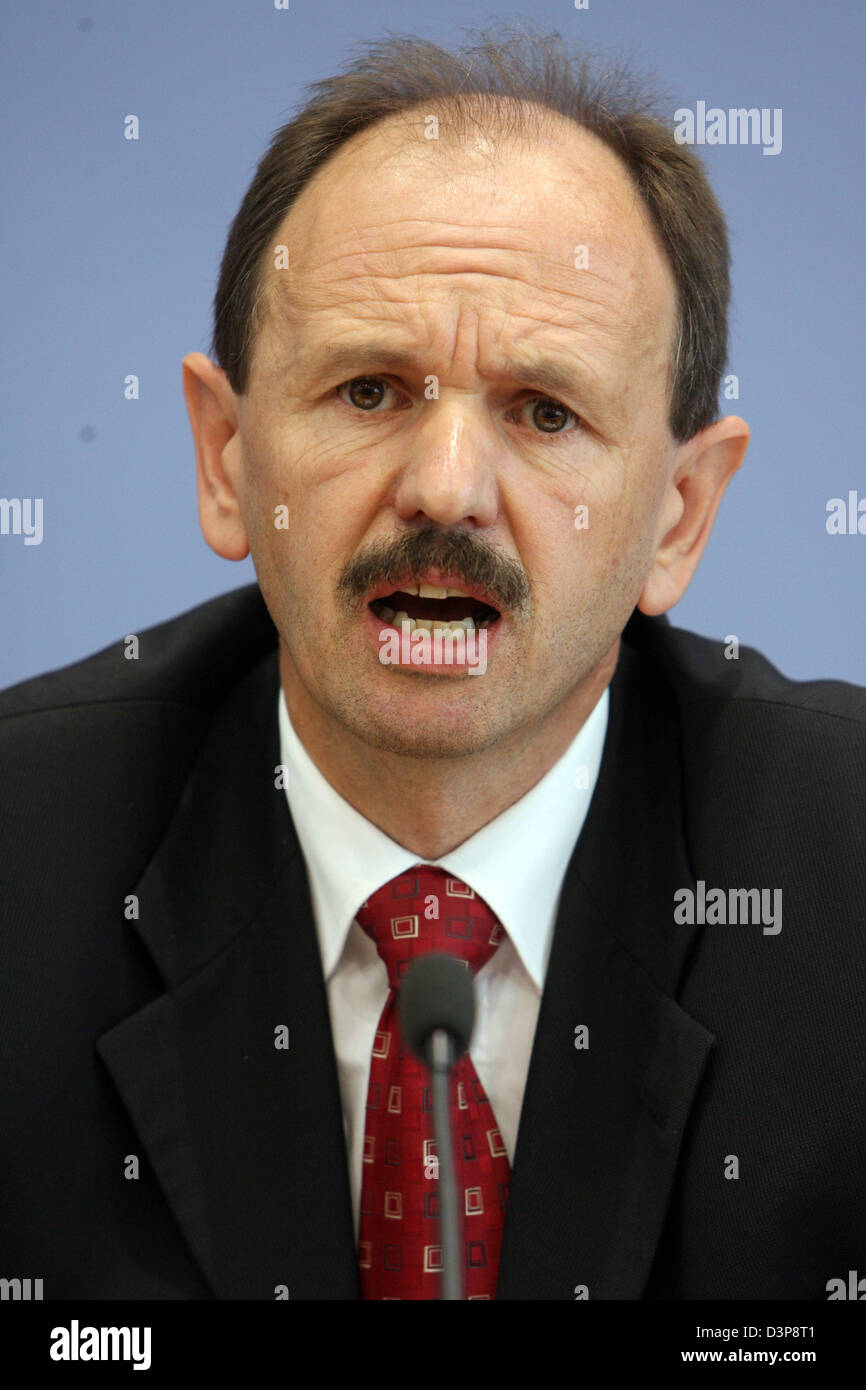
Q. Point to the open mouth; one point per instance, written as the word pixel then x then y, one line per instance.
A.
pixel 426 606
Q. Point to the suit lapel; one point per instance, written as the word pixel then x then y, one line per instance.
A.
pixel 245 1139
pixel 601 1126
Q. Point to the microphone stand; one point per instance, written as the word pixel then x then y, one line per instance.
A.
pixel 441 1057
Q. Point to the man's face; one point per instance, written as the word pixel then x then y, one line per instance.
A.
pixel 397 396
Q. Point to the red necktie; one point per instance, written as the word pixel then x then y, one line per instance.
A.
pixel 399 1253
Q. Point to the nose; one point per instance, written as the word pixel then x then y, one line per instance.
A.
pixel 450 475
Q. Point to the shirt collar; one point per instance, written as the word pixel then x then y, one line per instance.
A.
pixel 516 862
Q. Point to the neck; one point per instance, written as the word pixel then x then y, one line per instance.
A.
pixel 431 805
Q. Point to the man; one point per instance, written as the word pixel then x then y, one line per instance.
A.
pixel 468 355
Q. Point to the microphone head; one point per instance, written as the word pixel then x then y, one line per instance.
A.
pixel 437 993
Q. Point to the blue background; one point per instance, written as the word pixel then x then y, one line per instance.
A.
pixel 112 249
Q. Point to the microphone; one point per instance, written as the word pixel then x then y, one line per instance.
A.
pixel 436 1006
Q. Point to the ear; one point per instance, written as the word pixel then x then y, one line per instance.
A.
pixel 212 407
pixel 703 467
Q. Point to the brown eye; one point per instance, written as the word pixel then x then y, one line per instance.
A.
pixel 365 392
pixel 549 416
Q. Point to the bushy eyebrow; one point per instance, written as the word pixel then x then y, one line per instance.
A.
pixel 541 373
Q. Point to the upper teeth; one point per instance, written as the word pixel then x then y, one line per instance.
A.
pixel 402 619
pixel 431 591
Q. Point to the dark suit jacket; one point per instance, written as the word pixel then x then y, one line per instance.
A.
pixel 154 1037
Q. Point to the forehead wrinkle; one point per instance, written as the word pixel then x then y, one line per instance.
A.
pixel 605 210
pixel 601 193
pixel 591 300
pixel 387 246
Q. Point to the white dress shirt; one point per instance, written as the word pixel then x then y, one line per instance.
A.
pixel 516 863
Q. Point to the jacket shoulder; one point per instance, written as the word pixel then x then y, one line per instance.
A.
pixel 188 660
pixel 771 768
pixel 93 759
pixel 702 669
pixel 94 755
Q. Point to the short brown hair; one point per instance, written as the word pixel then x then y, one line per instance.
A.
pixel 500 69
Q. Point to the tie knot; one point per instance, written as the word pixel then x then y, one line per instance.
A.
pixel 427 910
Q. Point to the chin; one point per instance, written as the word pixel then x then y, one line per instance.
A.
pixel 424 728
